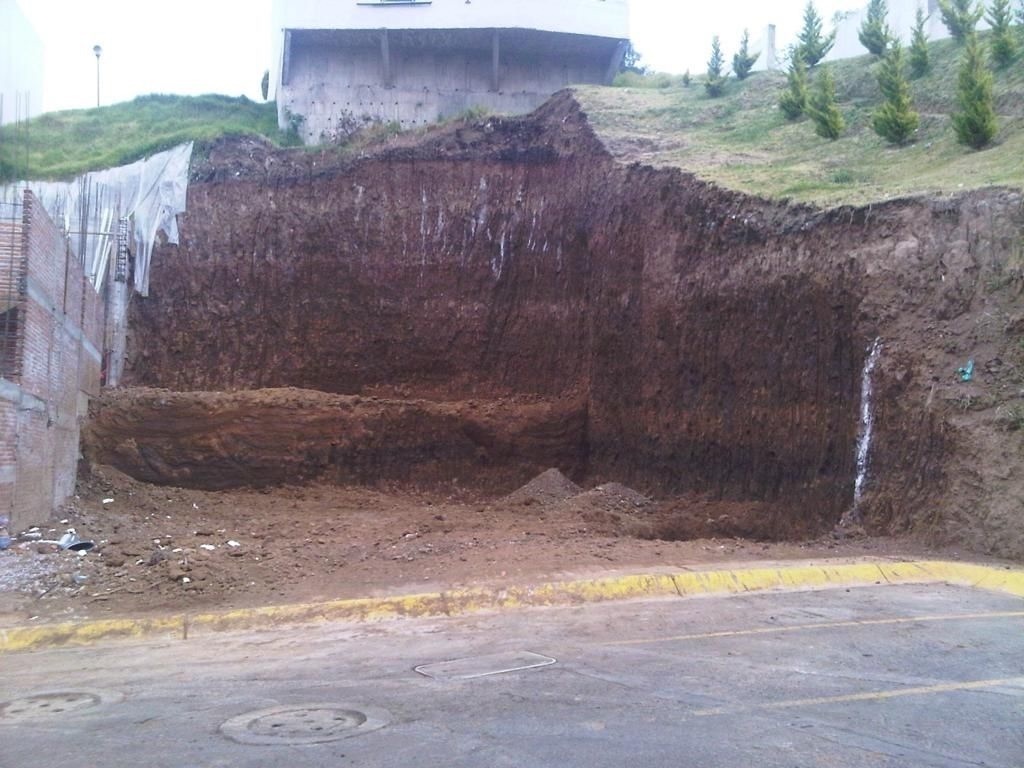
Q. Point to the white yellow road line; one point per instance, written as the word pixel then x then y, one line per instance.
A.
pixel 819 701
pixel 821 626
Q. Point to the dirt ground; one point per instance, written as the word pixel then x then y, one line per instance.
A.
pixel 161 549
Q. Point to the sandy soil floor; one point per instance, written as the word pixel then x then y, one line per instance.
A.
pixel 161 549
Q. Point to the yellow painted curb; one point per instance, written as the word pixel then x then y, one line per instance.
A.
pixel 464 601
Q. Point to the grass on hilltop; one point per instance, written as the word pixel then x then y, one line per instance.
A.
pixel 60 145
pixel 740 140
pixel 743 141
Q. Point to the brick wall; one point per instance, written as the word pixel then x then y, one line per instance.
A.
pixel 44 392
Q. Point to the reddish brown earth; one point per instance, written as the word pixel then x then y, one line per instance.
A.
pixel 165 549
pixel 254 438
pixel 516 258
pixel 451 314
pixel 713 341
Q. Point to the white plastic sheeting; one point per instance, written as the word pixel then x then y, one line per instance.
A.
pixel 150 192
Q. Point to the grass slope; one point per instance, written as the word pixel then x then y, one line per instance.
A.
pixel 743 141
pixel 60 145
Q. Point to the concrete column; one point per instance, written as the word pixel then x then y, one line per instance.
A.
pixel 771 56
pixel 495 62
pixel 616 62
pixel 385 54
pixel 286 58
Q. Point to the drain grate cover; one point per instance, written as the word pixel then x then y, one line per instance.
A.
pixel 304 724
pixel 53 704
pixel 484 666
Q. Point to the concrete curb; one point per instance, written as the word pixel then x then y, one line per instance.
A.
pixel 466 601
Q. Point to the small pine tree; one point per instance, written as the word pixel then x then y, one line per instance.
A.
pixel 265 84
pixel 920 58
pixel 715 82
pixel 975 123
pixel 686 79
pixel 822 109
pixel 793 101
pixel 895 120
pixel 1003 43
pixel 743 62
pixel 874 33
pixel 960 17
pixel 811 46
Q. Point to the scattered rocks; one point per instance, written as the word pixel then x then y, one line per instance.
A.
pixel 613 497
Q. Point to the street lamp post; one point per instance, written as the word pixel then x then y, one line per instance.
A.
pixel 97 50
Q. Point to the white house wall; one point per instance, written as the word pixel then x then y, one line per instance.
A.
pixel 901 19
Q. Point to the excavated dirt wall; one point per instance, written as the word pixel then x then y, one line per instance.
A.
pixel 218 440
pixel 715 341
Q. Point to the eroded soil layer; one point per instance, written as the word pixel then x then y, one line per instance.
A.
pixel 218 440
pixel 716 341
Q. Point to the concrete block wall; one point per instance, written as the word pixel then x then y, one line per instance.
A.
pixel 44 397
pixel 334 89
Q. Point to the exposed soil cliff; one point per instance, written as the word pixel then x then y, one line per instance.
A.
pixel 711 342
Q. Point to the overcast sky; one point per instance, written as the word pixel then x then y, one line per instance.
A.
pixel 223 46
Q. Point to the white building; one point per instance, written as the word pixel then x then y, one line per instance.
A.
pixel 339 63
pixel 21 65
pixel 901 20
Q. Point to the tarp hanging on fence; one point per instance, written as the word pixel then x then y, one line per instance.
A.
pixel 151 192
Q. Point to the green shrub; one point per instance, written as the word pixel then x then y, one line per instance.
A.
pixel 874 33
pixel 895 120
pixel 920 59
pixel 960 17
pixel 822 109
pixel 743 61
pixel 715 82
pixel 648 80
pixel 793 101
pixel 975 122
pixel 1003 42
pixel 812 46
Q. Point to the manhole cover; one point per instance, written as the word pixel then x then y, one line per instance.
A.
pixel 484 666
pixel 53 704
pixel 305 724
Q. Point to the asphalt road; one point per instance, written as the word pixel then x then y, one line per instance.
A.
pixel 875 676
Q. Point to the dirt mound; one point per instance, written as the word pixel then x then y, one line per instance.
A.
pixel 611 509
pixel 548 487
pixel 694 517
pixel 615 497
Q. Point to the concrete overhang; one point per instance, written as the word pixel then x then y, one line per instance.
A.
pixel 522 41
